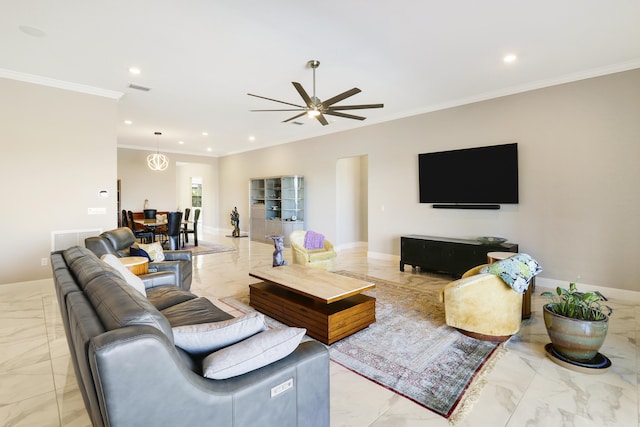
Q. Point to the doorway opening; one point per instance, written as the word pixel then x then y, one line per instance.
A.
pixel 352 190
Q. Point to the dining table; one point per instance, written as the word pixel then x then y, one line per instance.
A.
pixel 152 224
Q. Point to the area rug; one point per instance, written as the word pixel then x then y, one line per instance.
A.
pixel 411 351
pixel 205 248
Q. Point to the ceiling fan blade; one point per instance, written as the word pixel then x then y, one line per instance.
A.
pixel 346 116
pixel 275 100
pixel 286 109
pixel 295 117
pixel 340 97
pixel 303 93
pixel 356 107
pixel 322 120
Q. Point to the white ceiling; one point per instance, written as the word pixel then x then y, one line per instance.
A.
pixel 201 57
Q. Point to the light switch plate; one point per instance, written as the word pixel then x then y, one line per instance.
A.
pixel 97 211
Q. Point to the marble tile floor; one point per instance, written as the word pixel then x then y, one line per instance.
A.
pixel 38 388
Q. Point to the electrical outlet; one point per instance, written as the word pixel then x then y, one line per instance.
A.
pixel 44 262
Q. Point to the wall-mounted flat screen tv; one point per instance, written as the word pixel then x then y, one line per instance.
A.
pixel 471 175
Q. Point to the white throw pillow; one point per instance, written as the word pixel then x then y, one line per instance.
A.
pixel 154 250
pixel 253 353
pixel 128 276
pixel 208 337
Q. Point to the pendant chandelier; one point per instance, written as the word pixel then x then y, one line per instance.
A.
pixel 157 161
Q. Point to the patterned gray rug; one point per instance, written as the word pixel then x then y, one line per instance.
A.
pixel 205 248
pixel 411 351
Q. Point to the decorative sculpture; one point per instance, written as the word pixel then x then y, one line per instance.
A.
pixel 235 221
pixel 278 243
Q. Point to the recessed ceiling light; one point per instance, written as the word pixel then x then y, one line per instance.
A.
pixel 209 149
pixel 510 58
pixel 252 138
pixel 181 142
pixel 128 122
pixel 205 133
pixel 32 31
pixel 134 70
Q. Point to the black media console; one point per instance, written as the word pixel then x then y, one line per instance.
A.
pixel 441 254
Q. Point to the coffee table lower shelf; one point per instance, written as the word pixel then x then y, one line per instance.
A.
pixel 327 323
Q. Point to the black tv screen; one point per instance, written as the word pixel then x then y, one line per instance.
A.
pixel 471 175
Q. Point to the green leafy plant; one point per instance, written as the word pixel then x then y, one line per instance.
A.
pixel 578 305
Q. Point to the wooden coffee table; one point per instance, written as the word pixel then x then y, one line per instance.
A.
pixel 328 305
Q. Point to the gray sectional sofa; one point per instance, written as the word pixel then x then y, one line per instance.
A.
pixel 119 241
pixel 130 373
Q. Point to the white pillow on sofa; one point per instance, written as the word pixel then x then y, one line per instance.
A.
pixel 253 353
pixel 154 250
pixel 128 276
pixel 208 337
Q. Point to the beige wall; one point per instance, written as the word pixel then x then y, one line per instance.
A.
pixel 58 152
pixel 351 195
pixel 170 189
pixel 579 149
pixel 579 146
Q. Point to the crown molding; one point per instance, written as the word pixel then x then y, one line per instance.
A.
pixel 60 84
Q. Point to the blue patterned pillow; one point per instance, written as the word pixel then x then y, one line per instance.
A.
pixel 516 271
pixel 135 251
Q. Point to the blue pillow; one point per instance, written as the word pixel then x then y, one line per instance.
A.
pixel 516 271
pixel 135 251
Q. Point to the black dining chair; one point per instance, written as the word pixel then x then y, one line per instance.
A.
pixel 144 235
pixel 150 213
pixel 174 230
pixel 194 230
pixel 187 211
pixel 125 222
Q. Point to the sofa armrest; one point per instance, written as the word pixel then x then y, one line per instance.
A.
pixel 161 278
pixel 179 255
pixel 328 246
pixel 300 254
pixel 136 367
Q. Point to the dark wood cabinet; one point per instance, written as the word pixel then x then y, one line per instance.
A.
pixel 446 255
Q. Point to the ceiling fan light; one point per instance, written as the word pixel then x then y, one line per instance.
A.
pixel 313 113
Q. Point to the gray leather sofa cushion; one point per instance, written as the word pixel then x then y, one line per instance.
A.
pixel 83 326
pixel 193 312
pixel 166 296
pixel 118 305
pixel 121 239
pixel 74 253
pixel 86 268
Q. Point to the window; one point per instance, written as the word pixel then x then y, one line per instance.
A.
pixel 196 192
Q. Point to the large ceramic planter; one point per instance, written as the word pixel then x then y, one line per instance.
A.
pixel 575 339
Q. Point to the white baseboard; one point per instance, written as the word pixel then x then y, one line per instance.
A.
pixel 630 297
pixel 351 245
pixel 384 257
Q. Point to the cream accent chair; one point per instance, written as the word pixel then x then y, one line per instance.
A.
pixel 482 306
pixel 316 258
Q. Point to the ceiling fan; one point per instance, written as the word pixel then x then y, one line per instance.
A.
pixel 314 107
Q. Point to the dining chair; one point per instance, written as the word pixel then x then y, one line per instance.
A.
pixel 125 222
pixel 174 230
pixel 194 230
pixel 187 211
pixel 144 235
pixel 150 213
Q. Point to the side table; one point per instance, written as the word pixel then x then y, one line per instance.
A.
pixel 138 265
pixel 526 298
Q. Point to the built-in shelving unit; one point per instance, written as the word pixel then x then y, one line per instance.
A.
pixel 277 207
